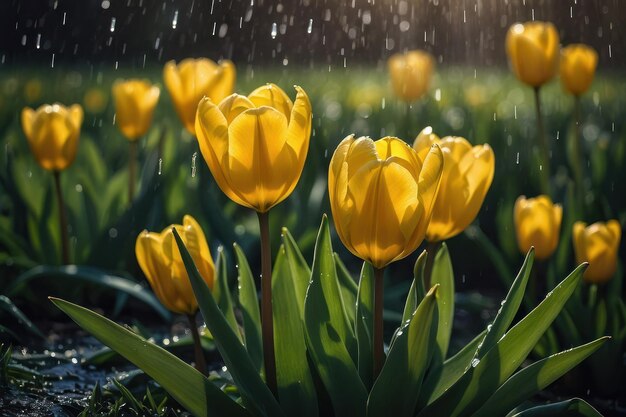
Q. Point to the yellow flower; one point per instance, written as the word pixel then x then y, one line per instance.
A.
pixel 52 132
pixel 533 50
pixel 193 79
pixel 467 175
pixel 597 244
pixel 160 260
pixel 382 196
pixel 578 65
pixel 537 223
pixel 411 73
pixel 135 101
pixel 95 100
pixel 256 146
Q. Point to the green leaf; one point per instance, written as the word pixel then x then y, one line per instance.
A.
pixel 300 270
pixel 443 275
pixel 255 394
pixel 508 308
pixel 416 292
pixel 348 288
pixel 496 257
pixel 221 291
pixel 183 382
pixel 22 321
pixel 529 381
pixel 85 274
pixel 327 332
pixel 249 307
pixel 570 408
pixel 364 325
pixel 397 388
pixel 296 390
pixel 487 374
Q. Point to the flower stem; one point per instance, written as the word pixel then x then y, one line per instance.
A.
pixel 378 322
pixel 132 163
pixel 544 146
pixel 267 323
pixel 65 241
pixel 197 345
pixel 577 161
pixel 431 250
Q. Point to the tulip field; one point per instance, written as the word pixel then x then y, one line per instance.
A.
pixel 215 238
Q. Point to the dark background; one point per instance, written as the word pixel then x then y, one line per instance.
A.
pixel 135 33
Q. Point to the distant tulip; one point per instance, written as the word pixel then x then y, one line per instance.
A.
pixel 578 65
pixel 467 175
pixel 162 264
pixel 193 79
pixel 135 101
pixel 255 146
pixel 538 224
pixel 533 50
pixel 382 196
pixel 597 244
pixel 411 73
pixel 52 132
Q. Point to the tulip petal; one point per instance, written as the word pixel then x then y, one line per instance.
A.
pixel 273 96
pixel 615 229
pixel 28 116
pixel 578 235
pixel 147 251
pixel 233 105
pixel 172 81
pixel 224 83
pixel 390 146
pixel 429 179
pixel 299 131
pixel 424 140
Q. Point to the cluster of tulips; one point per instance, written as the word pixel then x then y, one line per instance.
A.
pixel 386 196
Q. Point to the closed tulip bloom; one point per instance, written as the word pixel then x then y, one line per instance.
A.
pixel 537 223
pixel 411 73
pixel 578 66
pixel 533 51
pixel 382 196
pixel 52 132
pixel 161 262
pixel 467 175
pixel 135 101
pixel 193 79
pixel 255 146
pixel 597 244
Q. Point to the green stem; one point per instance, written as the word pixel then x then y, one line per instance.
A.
pixel 431 250
pixel 544 147
pixel 65 241
pixel 577 161
pixel 408 122
pixel 267 323
pixel 199 353
pixel 378 322
pixel 132 157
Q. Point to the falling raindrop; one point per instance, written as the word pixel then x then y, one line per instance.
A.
pixel 175 20
pixel 160 165
pixel 112 28
pixel 274 30
pixel 193 164
pixel 309 29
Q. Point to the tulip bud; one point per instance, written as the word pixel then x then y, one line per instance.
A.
pixel 533 51
pixel 135 101
pixel 467 175
pixel 193 79
pixel 161 262
pixel 411 73
pixel 537 223
pixel 597 244
pixel 382 196
pixel 52 132
pixel 255 146
pixel 578 65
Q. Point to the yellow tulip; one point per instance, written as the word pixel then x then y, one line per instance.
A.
pixel 411 73
pixel 160 260
pixel 382 196
pixel 597 244
pixel 467 175
pixel 255 146
pixel 533 50
pixel 52 132
pixel 135 101
pixel 537 223
pixel 193 79
pixel 578 65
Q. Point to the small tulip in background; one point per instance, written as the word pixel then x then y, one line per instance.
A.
pixel 255 147
pixel 193 79
pixel 161 262
pixel 411 73
pixel 597 244
pixel 533 51
pixel 537 224
pixel 382 196
pixel 135 101
pixel 52 132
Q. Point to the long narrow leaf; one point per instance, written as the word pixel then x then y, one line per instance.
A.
pixel 443 275
pixel 415 295
pixel 348 288
pixel 188 386
pixel 570 408
pixel 364 324
pixel 222 291
pixel 300 270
